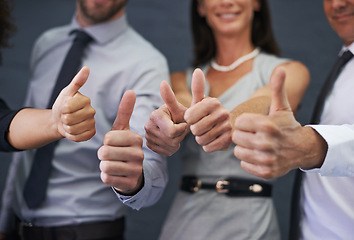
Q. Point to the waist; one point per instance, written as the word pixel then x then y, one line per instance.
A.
pixel 92 230
pixel 231 186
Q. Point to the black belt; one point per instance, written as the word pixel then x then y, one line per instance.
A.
pixel 234 187
pixel 94 230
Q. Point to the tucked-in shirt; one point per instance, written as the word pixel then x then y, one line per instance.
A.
pixel 6 116
pixel 119 59
pixel 327 196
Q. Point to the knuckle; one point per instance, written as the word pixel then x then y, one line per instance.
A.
pixel 108 138
pixel 105 178
pixel 139 140
pixel 103 153
pixel 92 111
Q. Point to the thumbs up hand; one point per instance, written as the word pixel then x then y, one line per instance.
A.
pixel 166 127
pixel 121 154
pixel 208 119
pixel 72 112
pixel 267 145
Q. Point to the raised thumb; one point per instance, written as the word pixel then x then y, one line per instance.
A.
pixel 125 111
pixel 198 86
pixel 78 81
pixel 171 102
pixel 279 99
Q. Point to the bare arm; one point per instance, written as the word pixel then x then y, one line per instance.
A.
pixel 296 82
pixel 32 128
pixel 71 116
pixel 180 88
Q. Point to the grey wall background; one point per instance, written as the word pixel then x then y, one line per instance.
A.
pixel 300 27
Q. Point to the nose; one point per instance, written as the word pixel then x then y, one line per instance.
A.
pixel 226 2
pixel 337 4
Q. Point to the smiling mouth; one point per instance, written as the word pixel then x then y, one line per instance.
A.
pixel 227 15
pixel 343 16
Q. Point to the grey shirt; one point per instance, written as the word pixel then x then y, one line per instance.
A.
pixel 207 214
pixel 119 59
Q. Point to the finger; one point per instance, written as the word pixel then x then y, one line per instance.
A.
pixel 78 81
pixel 198 86
pixel 252 169
pixel 223 142
pixel 81 137
pixel 279 99
pixel 115 154
pixel 125 111
pixel 123 138
pixel 170 99
pixel 76 103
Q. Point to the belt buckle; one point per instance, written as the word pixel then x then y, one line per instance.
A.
pixel 197 185
pixel 21 226
pixel 256 188
pixel 220 186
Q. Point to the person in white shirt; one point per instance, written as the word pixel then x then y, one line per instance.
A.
pixel 271 146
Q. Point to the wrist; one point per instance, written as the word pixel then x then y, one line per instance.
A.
pixel 54 127
pixel 316 149
pixel 132 192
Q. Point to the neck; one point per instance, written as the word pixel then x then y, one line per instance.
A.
pixel 86 22
pixel 230 48
pixel 347 44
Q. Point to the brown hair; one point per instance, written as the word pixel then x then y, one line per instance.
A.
pixel 7 29
pixel 203 39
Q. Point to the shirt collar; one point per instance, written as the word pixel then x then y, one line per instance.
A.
pixel 103 32
pixel 345 48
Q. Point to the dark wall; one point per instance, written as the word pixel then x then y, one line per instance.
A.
pixel 301 29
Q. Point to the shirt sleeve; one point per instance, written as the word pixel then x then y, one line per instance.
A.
pixel 6 116
pixel 148 76
pixel 339 161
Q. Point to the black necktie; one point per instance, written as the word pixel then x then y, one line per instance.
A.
pixel 36 185
pixel 327 87
pixel 294 233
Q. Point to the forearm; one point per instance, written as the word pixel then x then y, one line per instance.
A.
pixel 313 149
pixel 32 128
pixel 253 105
pixel 338 159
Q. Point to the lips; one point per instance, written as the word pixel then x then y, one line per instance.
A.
pixel 343 16
pixel 227 15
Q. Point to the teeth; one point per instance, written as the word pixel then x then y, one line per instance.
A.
pixel 229 15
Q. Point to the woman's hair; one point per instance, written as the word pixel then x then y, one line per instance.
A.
pixel 7 29
pixel 204 43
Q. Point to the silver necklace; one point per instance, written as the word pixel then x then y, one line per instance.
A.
pixel 235 64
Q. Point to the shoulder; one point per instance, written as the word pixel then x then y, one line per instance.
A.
pixel 52 35
pixel 142 46
pixel 270 59
pixel 265 63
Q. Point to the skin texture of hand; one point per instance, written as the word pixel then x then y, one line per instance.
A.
pixel 271 145
pixel 72 111
pixel 209 121
pixel 121 154
pixel 71 116
pixel 166 127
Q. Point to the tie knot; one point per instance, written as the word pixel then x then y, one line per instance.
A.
pixel 82 36
pixel 346 56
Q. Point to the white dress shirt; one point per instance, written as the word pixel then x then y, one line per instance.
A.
pixel 327 196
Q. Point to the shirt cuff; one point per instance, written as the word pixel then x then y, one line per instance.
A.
pixel 338 161
pixel 5 121
pixel 137 201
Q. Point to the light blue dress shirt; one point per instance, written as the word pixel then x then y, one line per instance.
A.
pixel 119 59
